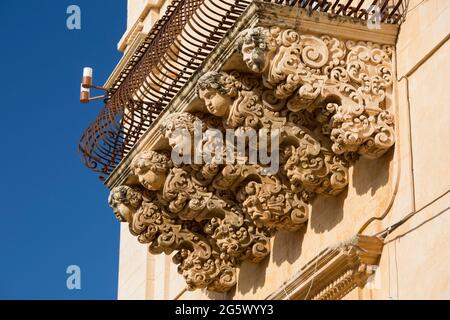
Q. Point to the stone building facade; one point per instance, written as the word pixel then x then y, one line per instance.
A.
pixel 358 206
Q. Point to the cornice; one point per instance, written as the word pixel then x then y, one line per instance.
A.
pixel 130 36
pixel 317 22
pixel 334 272
pixel 131 33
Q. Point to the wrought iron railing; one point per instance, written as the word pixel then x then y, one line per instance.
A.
pixel 173 50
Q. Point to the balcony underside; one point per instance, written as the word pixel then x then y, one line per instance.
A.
pixel 173 52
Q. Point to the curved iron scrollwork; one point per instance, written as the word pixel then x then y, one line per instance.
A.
pixel 172 51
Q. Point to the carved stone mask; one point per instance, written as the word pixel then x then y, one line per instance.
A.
pixel 216 103
pixel 124 201
pixel 254 57
pixel 254 48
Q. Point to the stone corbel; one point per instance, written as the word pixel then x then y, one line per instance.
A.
pixel 330 99
pixel 346 85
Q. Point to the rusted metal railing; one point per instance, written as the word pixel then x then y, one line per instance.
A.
pixel 172 51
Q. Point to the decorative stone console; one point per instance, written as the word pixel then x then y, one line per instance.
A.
pixel 324 83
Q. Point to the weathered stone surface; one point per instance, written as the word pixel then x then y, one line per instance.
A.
pixel 326 96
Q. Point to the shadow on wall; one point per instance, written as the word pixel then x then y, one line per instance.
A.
pixel 326 212
pixel 252 276
pixel 286 247
pixel 369 175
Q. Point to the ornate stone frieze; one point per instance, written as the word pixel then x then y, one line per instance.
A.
pixel 328 102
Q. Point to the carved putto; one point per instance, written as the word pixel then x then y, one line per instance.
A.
pixel 218 89
pixel 329 98
pixel 256 45
pixel 176 207
pixel 152 169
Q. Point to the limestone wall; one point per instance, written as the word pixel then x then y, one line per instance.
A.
pixel 413 177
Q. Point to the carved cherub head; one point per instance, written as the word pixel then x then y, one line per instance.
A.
pixel 124 201
pixel 178 128
pixel 254 45
pixel 152 168
pixel 217 89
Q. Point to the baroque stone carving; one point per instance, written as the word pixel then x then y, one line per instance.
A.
pixel 350 80
pixel 209 231
pixel 329 100
pixel 342 268
pixel 309 163
pixel 240 99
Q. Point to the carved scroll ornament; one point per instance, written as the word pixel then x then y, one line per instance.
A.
pixel 330 100
pixel 350 82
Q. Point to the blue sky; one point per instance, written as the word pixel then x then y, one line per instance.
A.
pixel 54 211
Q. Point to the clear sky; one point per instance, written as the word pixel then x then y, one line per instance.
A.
pixel 54 211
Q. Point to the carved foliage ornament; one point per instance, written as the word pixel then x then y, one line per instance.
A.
pixel 350 81
pixel 330 100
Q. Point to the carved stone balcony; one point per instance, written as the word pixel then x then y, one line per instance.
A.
pixel 174 50
pixel 325 82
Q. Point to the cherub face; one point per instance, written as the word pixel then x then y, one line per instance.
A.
pixel 151 180
pixel 254 57
pixel 216 103
pixel 124 212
